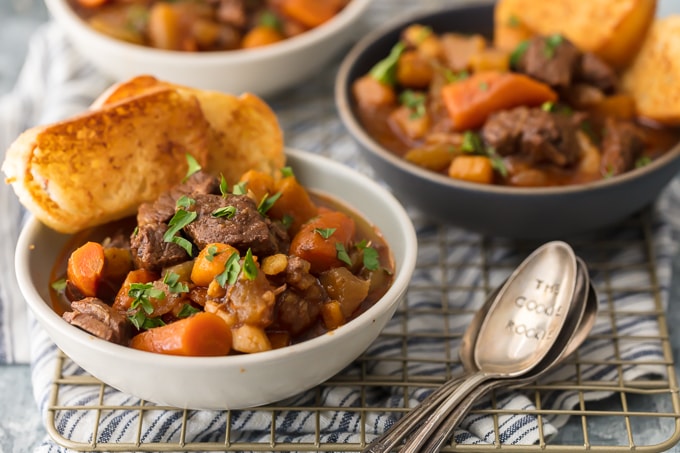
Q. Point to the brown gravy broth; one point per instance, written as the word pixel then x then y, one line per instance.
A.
pixel 658 140
pixel 364 230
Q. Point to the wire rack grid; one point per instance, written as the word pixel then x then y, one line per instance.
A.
pixel 620 422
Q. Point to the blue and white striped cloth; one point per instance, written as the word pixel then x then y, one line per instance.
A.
pixel 55 83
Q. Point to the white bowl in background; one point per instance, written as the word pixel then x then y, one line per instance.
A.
pixel 263 71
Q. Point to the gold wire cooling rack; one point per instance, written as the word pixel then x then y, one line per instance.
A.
pixel 641 415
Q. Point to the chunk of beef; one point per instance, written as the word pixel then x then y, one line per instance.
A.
pixel 163 208
pixel 582 96
pixel 99 319
pixel 621 146
pixel 593 71
pixel 150 251
pixel 299 306
pixel 247 228
pixel 542 136
pixel 550 59
pixel 232 12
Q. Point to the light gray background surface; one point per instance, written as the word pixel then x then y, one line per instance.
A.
pixel 21 428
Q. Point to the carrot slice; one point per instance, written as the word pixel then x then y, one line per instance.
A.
pixel 85 268
pixel 318 240
pixel 203 334
pixel 469 102
pixel 123 299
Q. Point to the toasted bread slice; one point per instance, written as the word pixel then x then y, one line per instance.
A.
pixel 99 166
pixel 653 79
pixel 611 29
pixel 245 133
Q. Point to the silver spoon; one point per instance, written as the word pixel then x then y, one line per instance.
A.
pixel 548 275
pixel 583 312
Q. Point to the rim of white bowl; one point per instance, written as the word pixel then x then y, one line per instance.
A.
pixel 346 112
pixel 396 291
pixel 350 13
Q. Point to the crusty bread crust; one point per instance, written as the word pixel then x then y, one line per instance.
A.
pixel 99 166
pixel 610 29
pixel 131 146
pixel 653 79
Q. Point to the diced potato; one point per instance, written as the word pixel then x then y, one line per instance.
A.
pixel 250 339
pixel 346 288
pixel 410 124
pixel 414 71
pixel 472 168
pixel 435 158
pixel 621 106
pixel 371 94
pixel 459 49
pixel 590 156
pixel 274 264
pixel 331 312
pixel 490 60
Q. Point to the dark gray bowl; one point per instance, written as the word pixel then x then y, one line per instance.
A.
pixel 494 210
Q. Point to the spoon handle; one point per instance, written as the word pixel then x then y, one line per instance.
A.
pixel 404 426
pixel 434 420
pixel 446 427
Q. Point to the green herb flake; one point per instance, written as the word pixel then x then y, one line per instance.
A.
pixel 513 21
pixel 59 285
pixel 185 202
pixel 472 143
pixel 231 270
pixel 548 106
pixel 267 202
pixel 498 164
pixel 371 258
pixel 187 310
pixel 135 231
pixel 211 253
pixel 224 186
pixel 342 254
pixel 194 166
pixel 269 19
pixel 181 219
pixel 287 172
pixel 287 221
pixel 552 42
pixel 249 266
pixel 174 284
pixel 141 294
pixel 415 102
pixel 225 211
pixel 518 53
pixel 609 172
pixel 452 77
pixel 325 232
pixel 240 188
pixel 643 161
pixel 385 71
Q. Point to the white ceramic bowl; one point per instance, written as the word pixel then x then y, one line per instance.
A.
pixel 263 71
pixel 233 381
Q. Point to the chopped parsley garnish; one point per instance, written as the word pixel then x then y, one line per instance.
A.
pixel 194 166
pixel 472 143
pixel 385 71
pixel 287 220
pixel 225 211
pixel 224 187
pixel 548 106
pixel 174 284
pixel 181 219
pixel 415 102
pixel 342 254
pixel 609 172
pixel 249 266
pixel 211 253
pixel 497 162
pixel 287 172
pixel 231 270
pixel 370 256
pixel 513 21
pixel 269 19
pixel 185 202
pixel 59 285
pixel 135 231
pixel 187 310
pixel 483 86
pixel 240 188
pixel 552 42
pixel 325 232
pixel 642 161
pixel 518 53
pixel 141 294
pixel 267 202
pixel 455 76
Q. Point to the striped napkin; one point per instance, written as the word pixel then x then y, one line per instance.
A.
pixel 47 91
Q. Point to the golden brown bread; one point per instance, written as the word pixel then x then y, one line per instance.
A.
pixel 131 146
pixel 245 133
pixel 612 29
pixel 653 78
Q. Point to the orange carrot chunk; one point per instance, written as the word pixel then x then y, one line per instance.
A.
pixel 469 102
pixel 311 13
pixel 319 239
pixel 85 268
pixel 203 334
